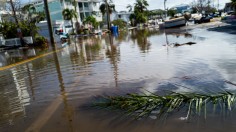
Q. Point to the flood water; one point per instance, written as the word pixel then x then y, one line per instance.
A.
pixel 48 93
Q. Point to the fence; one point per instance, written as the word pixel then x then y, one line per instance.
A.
pixel 15 41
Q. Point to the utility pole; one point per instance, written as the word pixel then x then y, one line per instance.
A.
pixel 165 8
pixel 49 24
pixel 108 16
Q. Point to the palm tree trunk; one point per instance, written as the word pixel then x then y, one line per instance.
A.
pixel 108 16
pixel 72 26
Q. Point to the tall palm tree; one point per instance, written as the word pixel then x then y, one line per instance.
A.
pixel 69 14
pixel 140 10
pixel 141 6
pixel 107 8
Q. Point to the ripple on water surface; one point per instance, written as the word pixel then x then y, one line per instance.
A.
pixel 130 62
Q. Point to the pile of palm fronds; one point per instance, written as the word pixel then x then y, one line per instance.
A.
pixel 145 105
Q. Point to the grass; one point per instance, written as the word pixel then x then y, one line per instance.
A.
pixel 141 106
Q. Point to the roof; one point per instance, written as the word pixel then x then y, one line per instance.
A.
pixel 181 5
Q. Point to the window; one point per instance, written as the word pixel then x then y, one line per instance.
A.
pixel 86 5
pixel 87 14
pixel 82 16
pixel 80 5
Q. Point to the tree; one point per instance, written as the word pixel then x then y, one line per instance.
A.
pixel 140 6
pixel 234 4
pixel 203 6
pixel 14 7
pixel 92 20
pixel 107 8
pixel 171 12
pixel 69 14
pixel 140 11
pixel 29 10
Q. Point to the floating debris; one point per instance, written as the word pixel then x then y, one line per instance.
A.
pixel 155 106
pixel 188 43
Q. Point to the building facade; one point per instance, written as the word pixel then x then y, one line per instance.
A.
pixel 88 8
pixel 84 8
pixel 182 8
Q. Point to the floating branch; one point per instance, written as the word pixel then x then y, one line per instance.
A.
pixel 142 106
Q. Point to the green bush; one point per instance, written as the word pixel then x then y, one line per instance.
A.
pixel 41 41
pixel 92 20
pixel 9 29
pixel 120 23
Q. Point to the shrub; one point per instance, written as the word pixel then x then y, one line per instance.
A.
pixel 9 29
pixel 120 23
pixel 41 41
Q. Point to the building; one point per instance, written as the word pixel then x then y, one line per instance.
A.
pixel 88 8
pixel 229 7
pixel 124 15
pixel 55 8
pixel 182 8
pixel 84 9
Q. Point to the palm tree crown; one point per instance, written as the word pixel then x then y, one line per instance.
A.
pixel 141 6
pixel 69 14
pixel 111 8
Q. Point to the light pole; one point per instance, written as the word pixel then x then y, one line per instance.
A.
pixel 165 8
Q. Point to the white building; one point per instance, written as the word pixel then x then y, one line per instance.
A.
pixel 88 8
pixel 124 15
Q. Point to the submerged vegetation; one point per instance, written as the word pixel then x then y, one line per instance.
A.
pixel 141 106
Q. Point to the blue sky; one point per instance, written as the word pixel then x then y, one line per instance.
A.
pixel 154 4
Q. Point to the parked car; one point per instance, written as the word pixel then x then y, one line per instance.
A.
pixel 203 20
pixel 58 31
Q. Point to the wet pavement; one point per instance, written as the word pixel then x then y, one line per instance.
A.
pixel 48 93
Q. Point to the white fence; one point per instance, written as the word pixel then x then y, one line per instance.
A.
pixel 15 41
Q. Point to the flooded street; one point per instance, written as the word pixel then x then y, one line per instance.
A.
pixel 49 92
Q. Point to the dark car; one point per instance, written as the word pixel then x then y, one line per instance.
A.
pixel 203 20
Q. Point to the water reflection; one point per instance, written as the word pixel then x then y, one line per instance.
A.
pixel 89 66
pixel 16 55
pixel 14 95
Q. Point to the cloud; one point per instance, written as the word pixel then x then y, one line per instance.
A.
pixel 158 4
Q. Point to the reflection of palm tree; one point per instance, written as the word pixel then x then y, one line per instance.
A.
pixel 142 38
pixel 67 107
pixel 113 54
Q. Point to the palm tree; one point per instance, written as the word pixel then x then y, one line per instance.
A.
pixel 30 10
pixel 69 14
pixel 140 6
pixel 107 8
pixel 140 10
pixel 129 7
pixel 234 4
